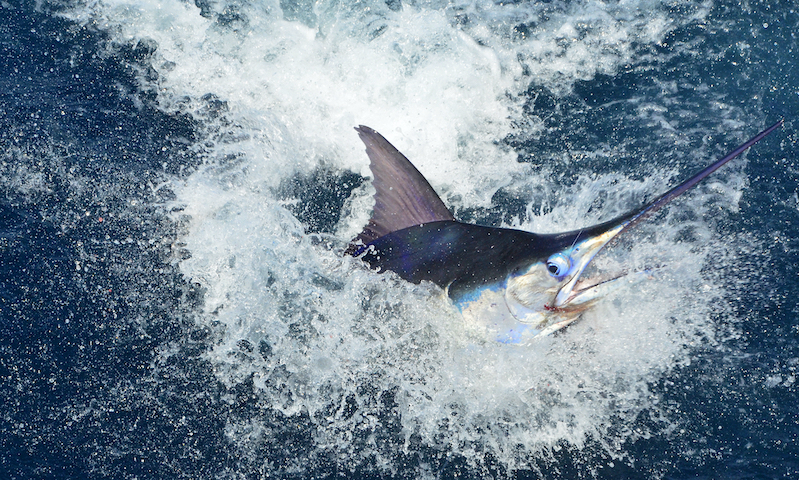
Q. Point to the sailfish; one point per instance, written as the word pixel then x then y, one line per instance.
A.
pixel 520 285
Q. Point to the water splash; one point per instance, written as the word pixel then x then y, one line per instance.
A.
pixel 373 368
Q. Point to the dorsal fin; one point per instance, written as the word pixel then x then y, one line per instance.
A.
pixel 403 198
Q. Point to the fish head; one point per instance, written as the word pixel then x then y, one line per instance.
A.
pixel 551 293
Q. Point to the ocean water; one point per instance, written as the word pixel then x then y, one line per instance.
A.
pixel 179 180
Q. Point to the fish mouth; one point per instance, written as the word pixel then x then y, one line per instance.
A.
pixel 583 296
pixel 577 290
pixel 587 290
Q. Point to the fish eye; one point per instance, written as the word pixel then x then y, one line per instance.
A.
pixel 558 265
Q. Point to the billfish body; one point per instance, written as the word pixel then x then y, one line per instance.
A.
pixel 517 285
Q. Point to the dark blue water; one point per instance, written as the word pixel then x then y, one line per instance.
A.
pixel 91 294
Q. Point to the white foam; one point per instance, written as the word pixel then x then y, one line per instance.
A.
pixel 335 337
